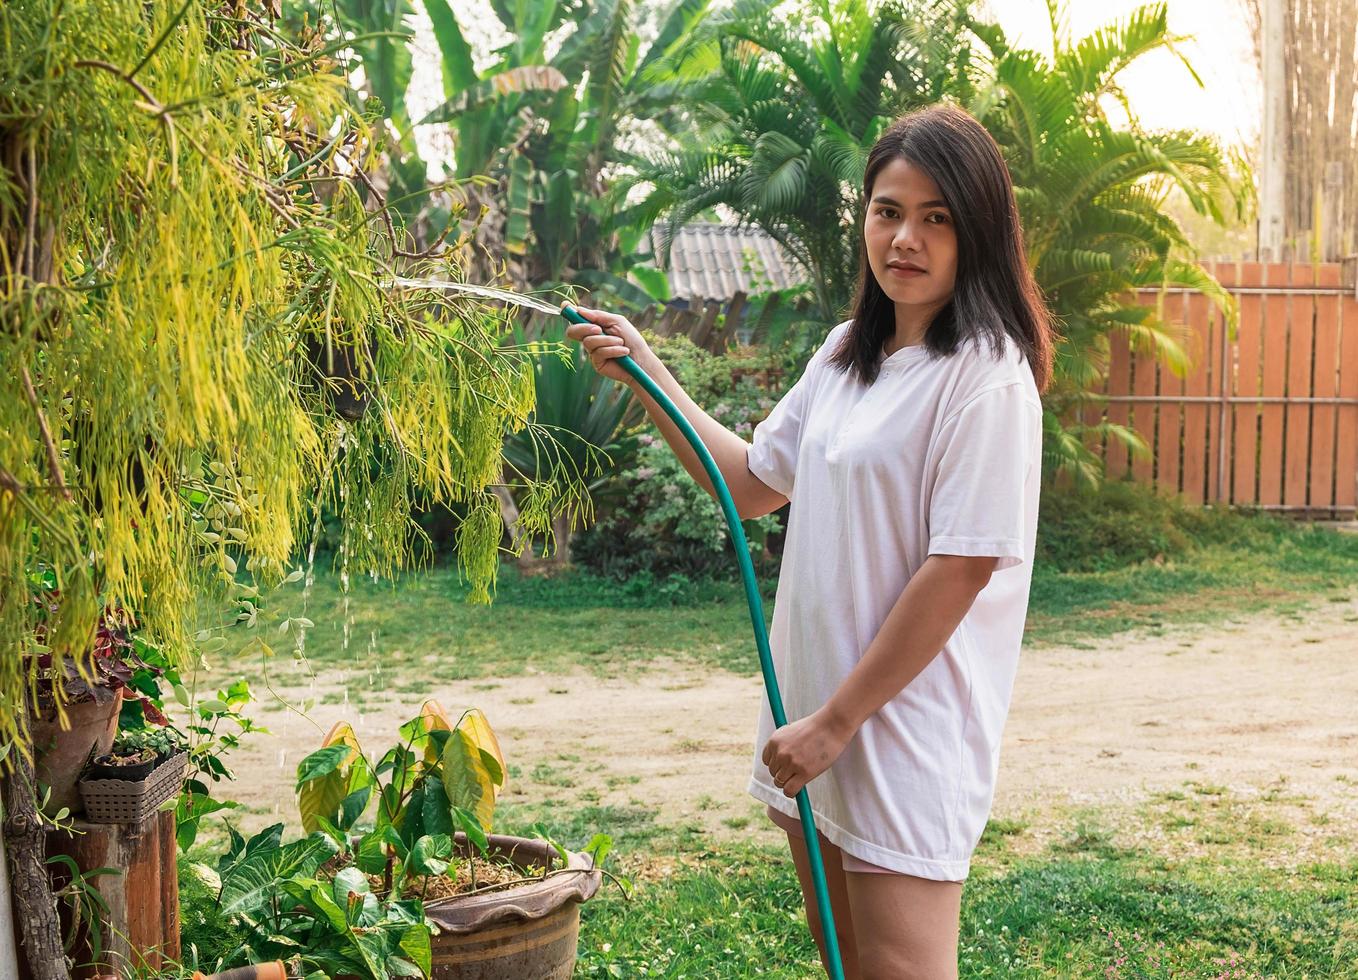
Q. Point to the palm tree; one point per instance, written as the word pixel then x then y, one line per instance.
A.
pixel 784 112
pixel 789 114
pixel 1093 202
pixel 548 132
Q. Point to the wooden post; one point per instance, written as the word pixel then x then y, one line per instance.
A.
pixel 142 928
pixel 9 955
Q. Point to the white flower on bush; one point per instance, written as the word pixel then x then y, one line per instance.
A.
pixel 646 472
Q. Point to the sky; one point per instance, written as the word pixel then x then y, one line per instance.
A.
pixel 1159 87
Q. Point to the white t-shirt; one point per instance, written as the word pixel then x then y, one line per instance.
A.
pixel 940 455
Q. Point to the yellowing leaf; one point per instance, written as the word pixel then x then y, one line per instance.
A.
pixel 474 723
pixel 321 797
pixel 466 780
pixel 433 719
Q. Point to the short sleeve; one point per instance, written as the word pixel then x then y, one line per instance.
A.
pixel 984 452
pixel 774 444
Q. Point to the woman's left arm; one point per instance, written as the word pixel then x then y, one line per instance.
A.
pixel 927 613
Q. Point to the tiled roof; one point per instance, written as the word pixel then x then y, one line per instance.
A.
pixel 715 261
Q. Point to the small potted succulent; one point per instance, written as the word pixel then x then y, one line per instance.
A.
pixel 137 753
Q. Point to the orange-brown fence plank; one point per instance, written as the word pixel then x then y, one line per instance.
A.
pixel 1297 416
pixel 1198 346
pixel 1119 383
pixel 1143 412
pixel 1245 429
pixel 1274 385
pixel 1324 417
pixel 1219 422
pixel 1168 436
pixel 1346 429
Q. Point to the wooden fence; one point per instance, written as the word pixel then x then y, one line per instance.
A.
pixel 1268 417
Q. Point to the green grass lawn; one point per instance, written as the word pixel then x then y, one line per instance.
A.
pixel 421 625
pixel 1088 905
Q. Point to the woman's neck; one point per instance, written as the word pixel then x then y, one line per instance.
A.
pixel 911 325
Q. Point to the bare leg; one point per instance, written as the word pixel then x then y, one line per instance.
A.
pixel 907 926
pixel 839 901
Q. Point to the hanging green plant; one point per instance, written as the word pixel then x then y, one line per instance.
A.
pixel 201 349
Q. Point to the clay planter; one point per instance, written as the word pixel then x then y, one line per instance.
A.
pixel 527 932
pixel 60 753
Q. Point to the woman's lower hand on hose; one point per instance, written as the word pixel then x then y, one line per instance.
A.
pixel 801 750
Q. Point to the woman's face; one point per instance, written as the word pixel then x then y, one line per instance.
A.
pixel 911 242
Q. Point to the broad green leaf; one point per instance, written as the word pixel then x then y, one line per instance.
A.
pixel 437 816
pixel 430 855
pixel 471 826
pixel 351 892
pixel 458 70
pixel 598 847
pixel 418 961
pixel 318 901
pixel 250 886
pixel 322 763
pixel 432 718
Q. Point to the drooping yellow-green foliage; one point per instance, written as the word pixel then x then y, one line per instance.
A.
pixel 193 273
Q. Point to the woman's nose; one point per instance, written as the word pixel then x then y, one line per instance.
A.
pixel 907 237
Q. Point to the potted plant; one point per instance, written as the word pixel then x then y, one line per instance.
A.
pixel 400 874
pixel 136 753
pixel 500 906
pixel 144 767
pixel 76 707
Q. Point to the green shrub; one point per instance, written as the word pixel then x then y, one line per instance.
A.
pixel 661 521
pixel 1124 523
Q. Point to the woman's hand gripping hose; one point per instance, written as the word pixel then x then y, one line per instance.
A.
pixel 610 353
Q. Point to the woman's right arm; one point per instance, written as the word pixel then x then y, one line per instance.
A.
pixel 609 336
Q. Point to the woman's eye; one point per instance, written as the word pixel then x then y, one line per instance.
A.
pixel 942 218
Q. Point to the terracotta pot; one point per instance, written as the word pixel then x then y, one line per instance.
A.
pixel 60 753
pixel 261 971
pixel 527 932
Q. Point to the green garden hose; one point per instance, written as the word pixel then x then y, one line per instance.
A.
pixel 761 636
pixel 728 508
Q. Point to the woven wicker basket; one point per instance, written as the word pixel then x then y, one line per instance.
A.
pixel 123 801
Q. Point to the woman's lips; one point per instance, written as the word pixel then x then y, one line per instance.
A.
pixel 902 273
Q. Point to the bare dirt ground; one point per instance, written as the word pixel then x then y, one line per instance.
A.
pixel 1255 723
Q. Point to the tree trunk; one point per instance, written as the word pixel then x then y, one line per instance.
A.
pixel 509 513
pixel 35 909
pixel 561 531
pixel 9 954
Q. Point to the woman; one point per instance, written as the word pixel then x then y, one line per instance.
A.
pixel 910 451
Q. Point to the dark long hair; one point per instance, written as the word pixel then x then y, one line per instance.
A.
pixel 995 298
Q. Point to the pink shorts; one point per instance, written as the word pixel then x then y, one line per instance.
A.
pixel 794 827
